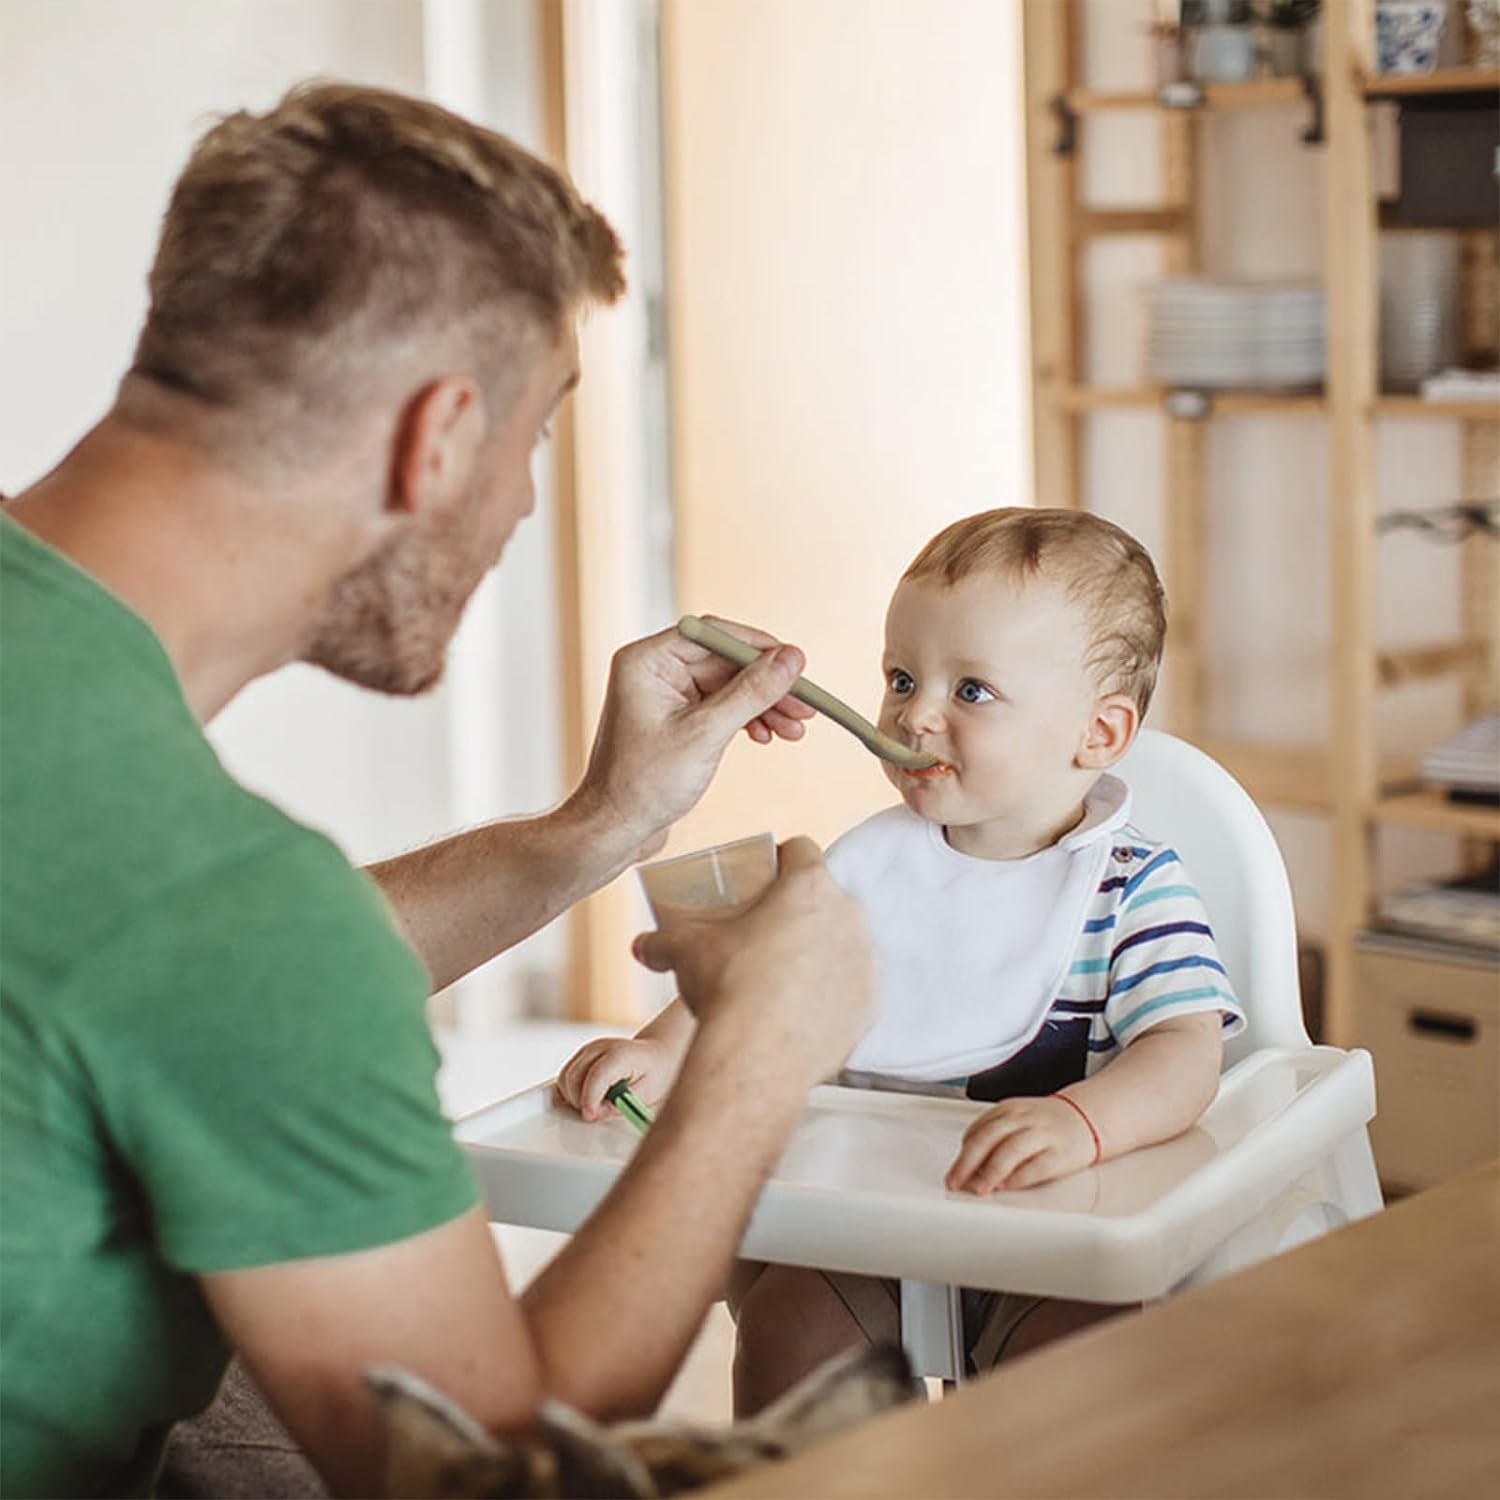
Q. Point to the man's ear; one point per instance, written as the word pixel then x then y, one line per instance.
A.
pixel 437 442
pixel 1110 733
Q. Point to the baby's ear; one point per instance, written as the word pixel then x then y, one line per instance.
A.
pixel 1110 732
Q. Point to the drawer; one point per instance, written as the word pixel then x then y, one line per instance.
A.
pixel 1432 1024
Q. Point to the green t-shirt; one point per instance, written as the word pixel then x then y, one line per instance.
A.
pixel 213 1053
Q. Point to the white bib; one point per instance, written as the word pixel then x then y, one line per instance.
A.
pixel 972 952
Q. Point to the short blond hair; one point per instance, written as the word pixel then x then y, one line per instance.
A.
pixel 306 249
pixel 1103 569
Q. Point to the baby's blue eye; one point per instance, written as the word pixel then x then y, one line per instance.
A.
pixel 970 691
pixel 900 682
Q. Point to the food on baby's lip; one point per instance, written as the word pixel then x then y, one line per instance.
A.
pixel 930 773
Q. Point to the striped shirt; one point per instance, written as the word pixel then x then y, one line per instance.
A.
pixel 1021 976
pixel 1146 955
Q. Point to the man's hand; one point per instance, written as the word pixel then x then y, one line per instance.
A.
pixel 1020 1143
pixel 794 974
pixel 670 711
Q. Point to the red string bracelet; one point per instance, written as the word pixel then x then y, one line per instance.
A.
pixel 1098 1149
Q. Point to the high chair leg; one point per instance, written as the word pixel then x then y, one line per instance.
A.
pixel 932 1329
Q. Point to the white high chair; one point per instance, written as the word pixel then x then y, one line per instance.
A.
pixel 1181 796
pixel 1280 1156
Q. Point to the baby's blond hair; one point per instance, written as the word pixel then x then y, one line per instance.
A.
pixel 1102 568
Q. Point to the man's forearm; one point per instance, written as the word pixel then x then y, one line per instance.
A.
pixel 653 1257
pixel 465 899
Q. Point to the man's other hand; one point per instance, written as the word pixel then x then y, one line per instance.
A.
pixel 791 980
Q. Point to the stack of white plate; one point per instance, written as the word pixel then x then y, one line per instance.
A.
pixel 1468 761
pixel 1235 334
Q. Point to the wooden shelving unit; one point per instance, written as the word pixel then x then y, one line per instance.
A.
pixel 1347 779
pixel 1221 403
pixel 1426 808
pixel 1416 85
pixel 1433 411
pixel 1261 93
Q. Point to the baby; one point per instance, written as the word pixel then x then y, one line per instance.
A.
pixel 1035 949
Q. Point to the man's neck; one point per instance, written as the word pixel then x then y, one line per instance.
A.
pixel 228 577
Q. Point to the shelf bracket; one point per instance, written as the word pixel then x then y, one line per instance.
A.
pixel 1066 116
pixel 1313 89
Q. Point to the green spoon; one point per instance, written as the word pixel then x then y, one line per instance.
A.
pixel 721 643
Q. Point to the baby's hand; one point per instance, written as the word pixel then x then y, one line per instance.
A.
pixel 1019 1143
pixel 597 1066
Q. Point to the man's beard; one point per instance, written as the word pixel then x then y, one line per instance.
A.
pixel 387 624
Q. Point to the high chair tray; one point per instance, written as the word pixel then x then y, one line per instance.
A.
pixel 859 1186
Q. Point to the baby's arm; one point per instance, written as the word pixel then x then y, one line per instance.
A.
pixel 1155 1089
pixel 1168 1002
pixel 649 1060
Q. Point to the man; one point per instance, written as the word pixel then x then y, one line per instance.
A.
pixel 220 1125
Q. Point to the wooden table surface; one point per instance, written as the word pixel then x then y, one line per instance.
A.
pixel 1364 1364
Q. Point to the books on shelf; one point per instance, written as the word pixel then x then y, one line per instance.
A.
pixel 1463 912
pixel 1468 762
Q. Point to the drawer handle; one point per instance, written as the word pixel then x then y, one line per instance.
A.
pixel 1443 1028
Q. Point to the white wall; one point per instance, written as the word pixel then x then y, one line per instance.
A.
pixel 1267 615
pixel 848 348
pixel 100 101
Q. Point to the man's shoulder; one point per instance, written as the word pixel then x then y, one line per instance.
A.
pixel 117 811
pixel 288 911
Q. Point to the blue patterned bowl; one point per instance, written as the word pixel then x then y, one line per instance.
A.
pixel 1407 34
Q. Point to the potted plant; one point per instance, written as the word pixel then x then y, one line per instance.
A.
pixel 1221 44
pixel 1288 26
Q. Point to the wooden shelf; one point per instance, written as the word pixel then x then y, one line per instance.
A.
pixel 1405 664
pixel 1274 775
pixel 1426 808
pixel 1443 81
pixel 1102 221
pixel 1291 776
pixel 1278 93
pixel 1332 777
pixel 1418 407
pixel 1258 93
pixel 1293 403
pixel 1223 403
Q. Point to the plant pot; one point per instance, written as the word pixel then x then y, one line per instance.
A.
pixel 1287 52
pixel 1223 54
pixel 1408 34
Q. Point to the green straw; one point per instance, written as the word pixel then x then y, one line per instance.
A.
pixel 623 1100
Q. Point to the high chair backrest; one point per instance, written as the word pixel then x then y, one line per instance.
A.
pixel 1182 797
